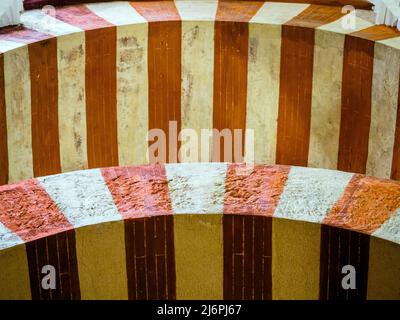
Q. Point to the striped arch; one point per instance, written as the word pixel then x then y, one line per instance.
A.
pixel 284 70
pixel 200 231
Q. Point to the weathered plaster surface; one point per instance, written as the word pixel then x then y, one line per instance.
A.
pixel 6 45
pixel 132 93
pixel 72 101
pixel 92 197
pixel 197 82
pixel 370 203
pixel 82 196
pixel 71 85
pixel 8 238
pixel 262 103
pixel 197 10
pixel 277 13
pixel 346 24
pixel 27 210
pixel 326 100
pixel 197 62
pixel 18 110
pixel 119 13
pixel 390 230
pixel 132 79
pixel 39 207
pixel 139 191
pixel 255 193
pixel 392 42
pixel 366 15
pixel 310 193
pixel 385 90
pixel 40 21
pixel 197 188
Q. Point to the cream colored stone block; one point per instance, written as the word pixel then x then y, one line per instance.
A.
pixel 263 89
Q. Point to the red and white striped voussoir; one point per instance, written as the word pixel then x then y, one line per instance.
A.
pixel 40 207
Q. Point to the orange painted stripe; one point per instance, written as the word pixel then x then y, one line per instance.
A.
pixel 101 97
pixel 44 107
pixel 164 64
pixel 346 197
pixel 139 191
pixel 376 33
pixel 257 193
pixel 231 37
pixel 154 11
pixel 366 204
pixel 294 115
pixel 44 131
pixel 101 84
pixel 3 128
pixel 296 72
pixel 44 98
pixel 27 210
pixel 356 104
pixel 396 147
pixel 315 16
pixel 239 11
